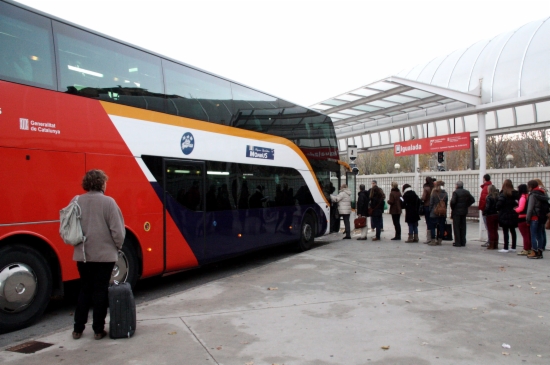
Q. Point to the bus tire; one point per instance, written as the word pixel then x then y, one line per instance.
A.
pixel 307 234
pixel 25 286
pixel 126 269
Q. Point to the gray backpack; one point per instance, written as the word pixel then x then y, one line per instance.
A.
pixel 70 228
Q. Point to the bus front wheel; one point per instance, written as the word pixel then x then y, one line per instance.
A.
pixel 25 286
pixel 307 234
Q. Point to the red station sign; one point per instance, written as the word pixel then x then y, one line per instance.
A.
pixel 451 142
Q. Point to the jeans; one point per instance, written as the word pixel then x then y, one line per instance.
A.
pixel 526 234
pixel 395 219
pixel 512 230
pixel 346 224
pixel 459 228
pixel 377 223
pixel 428 219
pixel 413 228
pixel 94 281
pixel 439 223
pixel 537 230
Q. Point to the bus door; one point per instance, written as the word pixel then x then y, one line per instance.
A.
pixel 184 202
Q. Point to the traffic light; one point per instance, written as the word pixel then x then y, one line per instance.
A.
pixel 440 157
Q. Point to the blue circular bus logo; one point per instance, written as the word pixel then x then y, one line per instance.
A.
pixel 187 143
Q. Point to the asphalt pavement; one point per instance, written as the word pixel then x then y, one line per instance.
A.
pixel 343 302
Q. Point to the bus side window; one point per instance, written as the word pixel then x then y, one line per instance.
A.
pixel 99 68
pixel 197 95
pixel 26 46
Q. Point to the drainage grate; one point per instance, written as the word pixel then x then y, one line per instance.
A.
pixel 30 347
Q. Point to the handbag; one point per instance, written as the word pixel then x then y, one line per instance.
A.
pixel 448 234
pixel 360 222
pixel 385 205
pixel 420 207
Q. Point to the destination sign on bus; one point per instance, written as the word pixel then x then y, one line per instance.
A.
pixel 260 152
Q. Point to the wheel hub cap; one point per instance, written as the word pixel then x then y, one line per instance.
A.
pixel 18 285
pixel 307 232
pixel 120 271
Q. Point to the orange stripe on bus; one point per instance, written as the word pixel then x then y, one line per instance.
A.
pixel 157 117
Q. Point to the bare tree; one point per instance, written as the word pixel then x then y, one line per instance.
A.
pixel 538 146
pixel 497 149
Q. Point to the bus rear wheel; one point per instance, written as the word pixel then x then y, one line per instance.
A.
pixel 307 234
pixel 25 286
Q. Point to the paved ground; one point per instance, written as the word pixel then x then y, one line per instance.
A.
pixel 341 303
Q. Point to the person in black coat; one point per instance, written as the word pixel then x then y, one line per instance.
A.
pixel 376 203
pixel 363 209
pixel 460 202
pixel 507 217
pixel 412 203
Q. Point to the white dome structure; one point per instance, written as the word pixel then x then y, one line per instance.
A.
pixel 505 81
pixel 512 64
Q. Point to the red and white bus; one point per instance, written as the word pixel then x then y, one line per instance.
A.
pixel 203 168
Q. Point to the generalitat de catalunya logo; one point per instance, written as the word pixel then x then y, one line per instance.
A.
pixel 187 143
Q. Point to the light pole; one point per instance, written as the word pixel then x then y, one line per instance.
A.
pixel 397 167
pixel 509 158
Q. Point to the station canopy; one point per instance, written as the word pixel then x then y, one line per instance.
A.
pixel 506 78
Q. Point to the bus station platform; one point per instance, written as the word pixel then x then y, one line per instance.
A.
pixel 342 302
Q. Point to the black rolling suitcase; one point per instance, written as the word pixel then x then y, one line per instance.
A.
pixel 122 310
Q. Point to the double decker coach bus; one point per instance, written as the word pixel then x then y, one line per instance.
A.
pixel 203 168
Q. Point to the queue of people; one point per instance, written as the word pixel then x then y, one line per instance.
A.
pixel 526 208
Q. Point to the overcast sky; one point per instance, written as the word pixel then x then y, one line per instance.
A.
pixel 304 51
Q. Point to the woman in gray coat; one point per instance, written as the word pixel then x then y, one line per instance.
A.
pixel 103 227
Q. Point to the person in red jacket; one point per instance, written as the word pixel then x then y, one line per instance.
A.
pixel 483 199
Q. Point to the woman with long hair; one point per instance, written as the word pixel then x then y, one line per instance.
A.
pixel 491 214
pixel 507 216
pixel 438 221
pixel 521 209
pixel 412 203
pixel 426 194
pixel 541 186
pixel 377 205
pixel 395 209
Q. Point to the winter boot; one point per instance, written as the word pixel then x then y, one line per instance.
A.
pixel 439 240
pixel 428 236
pixel 410 239
pixel 415 239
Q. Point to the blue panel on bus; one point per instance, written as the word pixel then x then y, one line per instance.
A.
pixel 218 234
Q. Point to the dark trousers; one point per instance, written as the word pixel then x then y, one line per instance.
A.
pixel 396 224
pixel 438 223
pixel 335 221
pixel 427 217
pixel 512 230
pixel 377 224
pixel 346 224
pixel 459 229
pixel 94 281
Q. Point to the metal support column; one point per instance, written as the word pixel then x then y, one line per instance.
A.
pixel 482 155
pixel 416 174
